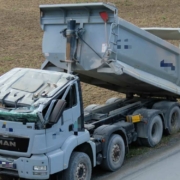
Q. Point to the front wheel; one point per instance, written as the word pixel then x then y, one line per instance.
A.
pixel 79 167
pixel 115 153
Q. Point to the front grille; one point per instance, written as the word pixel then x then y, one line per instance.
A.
pixel 10 143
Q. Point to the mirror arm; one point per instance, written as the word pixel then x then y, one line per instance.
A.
pixel 57 111
pixel 47 115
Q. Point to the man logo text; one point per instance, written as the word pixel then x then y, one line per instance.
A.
pixel 6 143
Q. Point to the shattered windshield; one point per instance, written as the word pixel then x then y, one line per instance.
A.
pixel 19 114
pixel 23 91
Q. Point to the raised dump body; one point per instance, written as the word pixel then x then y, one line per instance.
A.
pixel 108 51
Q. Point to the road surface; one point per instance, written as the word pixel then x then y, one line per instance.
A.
pixel 160 164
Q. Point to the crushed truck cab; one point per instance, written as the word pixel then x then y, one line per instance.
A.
pixel 38 145
pixel 45 133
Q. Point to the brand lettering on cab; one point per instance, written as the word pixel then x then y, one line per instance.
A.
pixel 8 143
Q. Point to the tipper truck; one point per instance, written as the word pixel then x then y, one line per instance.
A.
pixel 45 133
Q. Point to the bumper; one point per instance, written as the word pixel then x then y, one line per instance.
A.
pixel 24 167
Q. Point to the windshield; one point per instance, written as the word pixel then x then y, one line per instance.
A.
pixel 19 114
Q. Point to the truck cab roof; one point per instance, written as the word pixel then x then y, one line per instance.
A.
pixel 24 86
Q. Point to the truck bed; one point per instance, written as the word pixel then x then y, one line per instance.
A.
pixel 131 61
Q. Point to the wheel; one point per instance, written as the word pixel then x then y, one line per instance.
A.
pixel 79 167
pixel 173 124
pixel 115 153
pixel 155 131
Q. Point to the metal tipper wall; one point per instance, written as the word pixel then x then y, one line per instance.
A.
pixel 134 62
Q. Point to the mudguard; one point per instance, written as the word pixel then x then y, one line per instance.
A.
pixel 142 127
pixel 104 132
pixel 165 107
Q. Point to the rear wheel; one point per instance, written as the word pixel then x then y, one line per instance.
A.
pixel 115 153
pixel 173 123
pixel 79 167
pixel 155 131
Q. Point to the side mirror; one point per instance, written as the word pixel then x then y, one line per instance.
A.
pixel 57 111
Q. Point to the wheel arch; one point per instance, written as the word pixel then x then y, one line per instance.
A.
pixel 88 149
pixel 147 114
pixel 162 117
pixel 106 131
pixel 165 108
pixel 75 143
pixel 123 135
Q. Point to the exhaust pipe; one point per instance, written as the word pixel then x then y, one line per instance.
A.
pixel 70 35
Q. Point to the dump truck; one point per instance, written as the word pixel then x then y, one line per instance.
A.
pixel 46 133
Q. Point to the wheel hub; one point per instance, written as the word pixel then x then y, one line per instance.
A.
pixel 81 172
pixel 116 153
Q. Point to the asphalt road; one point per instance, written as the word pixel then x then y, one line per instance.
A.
pixel 160 164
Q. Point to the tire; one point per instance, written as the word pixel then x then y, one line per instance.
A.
pixel 155 131
pixel 80 167
pixel 173 124
pixel 115 153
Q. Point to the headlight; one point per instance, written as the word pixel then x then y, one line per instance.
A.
pixel 39 168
